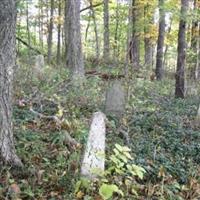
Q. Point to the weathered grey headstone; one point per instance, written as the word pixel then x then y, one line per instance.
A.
pixel 94 157
pixel 38 69
pixel 115 100
pixel 39 61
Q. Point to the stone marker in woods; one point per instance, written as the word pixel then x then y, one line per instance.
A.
pixel 94 157
pixel 39 61
pixel 115 100
pixel 39 66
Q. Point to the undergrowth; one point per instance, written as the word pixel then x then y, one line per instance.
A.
pixel 164 140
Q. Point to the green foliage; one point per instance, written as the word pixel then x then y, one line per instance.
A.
pixel 106 191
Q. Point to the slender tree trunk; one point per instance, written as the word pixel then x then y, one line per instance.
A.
pixel 88 26
pixel 135 42
pixel 41 13
pixel 95 30
pixel 59 35
pixel 28 30
pixel 198 54
pixel 73 39
pixel 116 49
pixel 148 46
pixel 160 42
pixel 180 70
pixel 50 33
pixel 106 49
pixel 7 63
pixel 167 46
pixel 194 46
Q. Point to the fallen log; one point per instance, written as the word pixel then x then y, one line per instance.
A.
pixel 105 76
pixel 30 47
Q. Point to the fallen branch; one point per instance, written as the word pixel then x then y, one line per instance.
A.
pixel 68 140
pixel 30 47
pixel 91 6
pixel 105 76
pixel 40 115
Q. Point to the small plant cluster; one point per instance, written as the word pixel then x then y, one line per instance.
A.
pixel 120 179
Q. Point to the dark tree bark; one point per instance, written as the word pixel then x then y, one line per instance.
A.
pixel 59 34
pixel 194 46
pixel 134 50
pixel 28 30
pixel 50 33
pixel 106 49
pixel 73 39
pixel 160 42
pixel 148 44
pixel 7 63
pixel 180 71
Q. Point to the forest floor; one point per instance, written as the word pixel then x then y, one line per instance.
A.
pixel 164 140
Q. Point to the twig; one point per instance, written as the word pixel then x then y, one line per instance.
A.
pixel 91 6
pixel 52 117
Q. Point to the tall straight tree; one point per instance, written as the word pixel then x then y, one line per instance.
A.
pixel 95 29
pixel 50 33
pixel 181 59
pixel 194 44
pixel 134 50
pixel 7 63
pixel 106 49
pixel 160 42
pixel 73 38
pixel 148 44
pixel 58 57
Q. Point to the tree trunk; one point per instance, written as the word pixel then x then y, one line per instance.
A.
pixel 134 50
pixel 50 33
pixel 167 46
pixel 28 31
pixel 7 63
pixel 180 71
pixel 194 46
pixel 95 30
pixel 106 49
pixel 117 18
pixel 148 46
pixel 73 39
pixel 198 54
pixel 41 13
pixel 160 42
pixel 59 35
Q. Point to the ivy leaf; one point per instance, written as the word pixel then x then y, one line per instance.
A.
pixel 106 191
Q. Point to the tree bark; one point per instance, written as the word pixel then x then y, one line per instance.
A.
pixel 106 49
pixel 180 71
pixel 160 42
pixel 95 30
pixel 73 39
pixel 194 46
pixel 50 33
pixel 59 35
pixel 28 31
pixel 135 42
pixel 7 63
pixel 148 44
